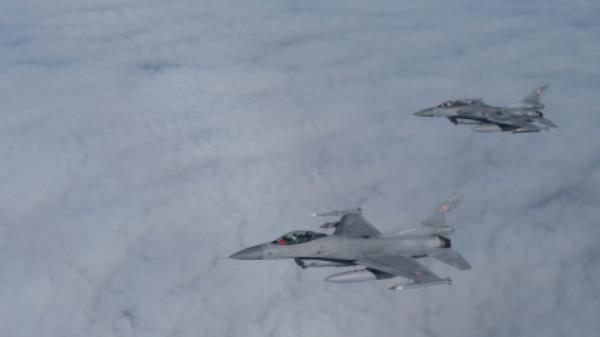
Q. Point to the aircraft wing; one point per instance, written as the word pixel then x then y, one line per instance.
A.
pixel 516 124
pixel 355 225
pixel 399 265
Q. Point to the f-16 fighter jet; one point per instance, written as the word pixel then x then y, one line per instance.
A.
pixel 525 116
pixel 372 255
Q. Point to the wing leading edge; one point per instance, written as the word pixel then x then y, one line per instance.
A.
pixel 355 225
pixel 352 224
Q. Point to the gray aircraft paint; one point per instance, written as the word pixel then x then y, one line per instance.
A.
pixel 356 242
pixel 343 248
pixel 525 116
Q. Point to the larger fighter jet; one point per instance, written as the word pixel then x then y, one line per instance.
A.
pixel 525 116
pixel 371 254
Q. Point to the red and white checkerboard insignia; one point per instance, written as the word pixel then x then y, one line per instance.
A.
pixel 444 208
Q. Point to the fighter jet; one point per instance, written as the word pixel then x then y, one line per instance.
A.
pixel 525 116
pixel 370 254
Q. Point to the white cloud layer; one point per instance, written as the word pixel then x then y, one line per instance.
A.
pixel 143 142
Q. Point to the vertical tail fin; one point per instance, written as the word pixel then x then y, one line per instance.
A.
pixel 534 97
pixel 437 218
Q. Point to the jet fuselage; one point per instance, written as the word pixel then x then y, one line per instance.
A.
pixel 346 248
pixel 480 112
pixel 525 116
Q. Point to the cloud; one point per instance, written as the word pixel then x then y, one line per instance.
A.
pixel 143 143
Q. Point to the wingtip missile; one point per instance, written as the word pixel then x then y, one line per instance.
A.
pixel 356 210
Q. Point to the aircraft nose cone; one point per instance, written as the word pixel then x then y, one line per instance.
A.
pixel 424 113
pixel 252 253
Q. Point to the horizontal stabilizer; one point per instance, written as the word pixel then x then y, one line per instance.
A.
pixel 420 231
pixel 546 122
pixel 453 258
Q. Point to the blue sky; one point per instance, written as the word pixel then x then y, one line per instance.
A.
pixel 145 141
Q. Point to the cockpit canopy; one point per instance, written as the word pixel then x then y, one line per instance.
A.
pixel 458 102
pixel 296 237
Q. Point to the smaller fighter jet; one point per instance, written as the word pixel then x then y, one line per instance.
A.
pixel 525 116
pixel 372 255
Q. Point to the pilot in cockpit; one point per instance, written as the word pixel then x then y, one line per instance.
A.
pixel 446 104
pixel 297 237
